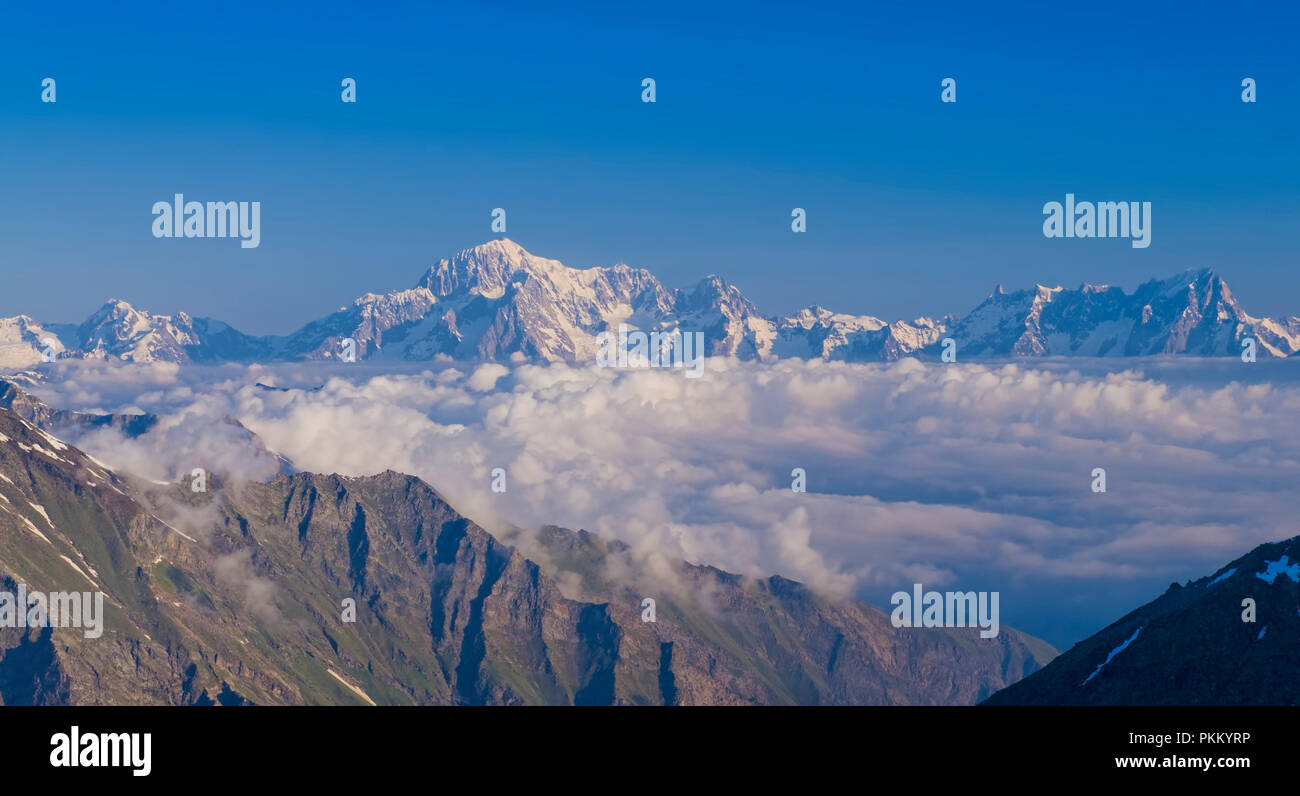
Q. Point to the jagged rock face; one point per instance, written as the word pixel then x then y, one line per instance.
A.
pixel 370 321
pixel 119 331
pixel 67 524
pixel 1190 646
pixel 1192 313
pixel 721 638
pixel 237 595
pixel 497 301
pixel 505 300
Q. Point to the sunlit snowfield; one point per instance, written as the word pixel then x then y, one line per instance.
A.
pixel 970 476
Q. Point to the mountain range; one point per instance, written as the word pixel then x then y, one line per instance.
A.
pixel 238 594
pixel 497 301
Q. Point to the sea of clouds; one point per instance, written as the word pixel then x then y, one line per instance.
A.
pixel 956 476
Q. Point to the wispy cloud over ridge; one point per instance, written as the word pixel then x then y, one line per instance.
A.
pixel 965 475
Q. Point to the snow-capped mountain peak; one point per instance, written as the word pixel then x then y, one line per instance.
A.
pixel 119 331
pixel 486 269
pixel 497 300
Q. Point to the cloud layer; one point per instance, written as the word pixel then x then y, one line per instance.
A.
pixel 956 475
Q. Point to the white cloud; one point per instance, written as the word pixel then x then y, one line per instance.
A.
pixel 486 376
pixel 974 474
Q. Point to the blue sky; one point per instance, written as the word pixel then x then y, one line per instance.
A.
pixel 914 207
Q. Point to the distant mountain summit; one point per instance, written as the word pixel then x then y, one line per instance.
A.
pixel 498 301
pixel 1191 313
pixel 1191 646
